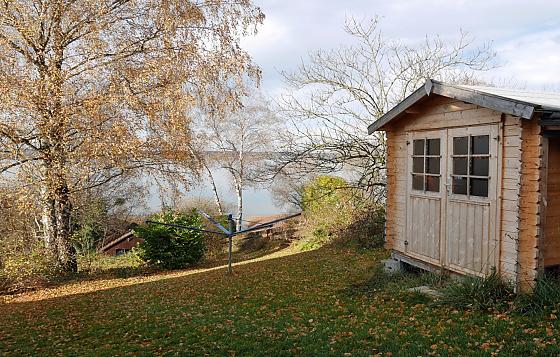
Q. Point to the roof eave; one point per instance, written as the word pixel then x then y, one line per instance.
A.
pixel 397 110
pixel 505 105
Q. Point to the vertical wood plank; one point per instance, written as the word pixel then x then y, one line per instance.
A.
pixel 477 247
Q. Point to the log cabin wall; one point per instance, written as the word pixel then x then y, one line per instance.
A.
pixel 511 181
pixel 396 189
pixel 551 246
pixel 125 245
pixel 531 202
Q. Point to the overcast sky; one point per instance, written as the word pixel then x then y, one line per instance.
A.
pixel 525 34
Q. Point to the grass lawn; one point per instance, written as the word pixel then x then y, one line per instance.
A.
pixel 327 301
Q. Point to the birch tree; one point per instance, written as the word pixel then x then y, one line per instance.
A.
pixel 91 89
pixel 241 142
pixel 334 95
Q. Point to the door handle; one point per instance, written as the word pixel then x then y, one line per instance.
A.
pixel 448 184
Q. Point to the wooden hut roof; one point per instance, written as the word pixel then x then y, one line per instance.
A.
pixel 515 102
pixel 117 241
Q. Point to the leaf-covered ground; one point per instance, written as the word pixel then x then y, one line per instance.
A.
pixel 327 301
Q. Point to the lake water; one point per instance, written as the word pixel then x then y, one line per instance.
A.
pixel 257 201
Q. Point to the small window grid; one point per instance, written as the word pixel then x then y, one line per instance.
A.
pixel 121 251
pixel 426 164
pixel 473 160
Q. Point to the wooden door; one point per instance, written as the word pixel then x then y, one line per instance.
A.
pixel 472 184
pixel 425 193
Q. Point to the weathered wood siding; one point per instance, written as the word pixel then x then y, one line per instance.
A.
pixel 437 113
pixel 551 248
pixel 531 204
pixel 426 226
pixel 396 189
pixel 468 243
pixel 511 182
pixel 440 113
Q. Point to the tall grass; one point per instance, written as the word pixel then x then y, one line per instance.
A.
pixel 545 295
pixel 487 293
pixel 493 293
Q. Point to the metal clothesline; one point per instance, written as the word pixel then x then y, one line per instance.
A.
pixel 228 233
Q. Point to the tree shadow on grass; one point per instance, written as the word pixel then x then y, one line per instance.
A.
pixel 148 275
pixel 74 319
pixel 244 250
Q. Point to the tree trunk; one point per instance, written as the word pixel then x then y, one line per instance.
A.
pixel 48 221
pixel 239 184
pixel 57 210
pixel 215 191
pixel 66 251
pixel 57 207
pixel 239 191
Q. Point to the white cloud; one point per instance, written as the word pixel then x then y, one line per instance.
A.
pixel 525 33
pixel 273 34
pixel 532 60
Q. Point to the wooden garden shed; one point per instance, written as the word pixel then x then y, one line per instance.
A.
pixel 473 180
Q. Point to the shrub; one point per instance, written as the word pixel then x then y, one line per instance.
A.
pixel 333 211
pixel 487 293
pixel 214 245
pixel 322 192
pixel 367 228
pixel 85 240
pixel 26 270
pixel 170 247
pixel 99 262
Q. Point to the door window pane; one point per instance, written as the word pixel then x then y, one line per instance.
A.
pixel 432 165
pixel 426 159
pixel 471 160
pixel 433 146
pixel 432 183
pixel 460 165
pixel 479 166
pixel 418 182
pixel 480 144
pixel 459 185
pixel 418 147
pixel 418 165
pixel 461 145
pixel 479 187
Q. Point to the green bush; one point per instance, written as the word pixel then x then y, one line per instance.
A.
pixel 335 212
pixel 487 293
pixel 322 192
pixel 170 247
pixel 85 239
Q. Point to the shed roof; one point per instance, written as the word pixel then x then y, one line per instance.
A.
pixel 117 241
pixel 547 100
pixel 515 102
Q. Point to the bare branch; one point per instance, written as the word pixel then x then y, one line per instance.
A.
pixel 335 94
